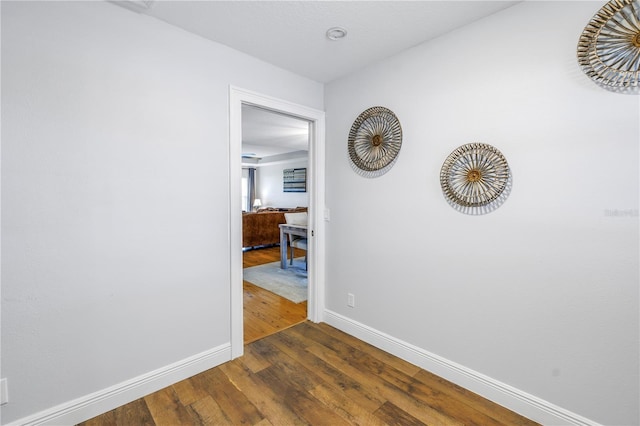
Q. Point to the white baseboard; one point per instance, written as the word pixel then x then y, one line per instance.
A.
pixel 514 399
pixel 91 405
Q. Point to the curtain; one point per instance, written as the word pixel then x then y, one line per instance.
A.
pixel 251 183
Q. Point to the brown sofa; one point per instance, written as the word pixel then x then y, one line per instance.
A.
pixel 261 228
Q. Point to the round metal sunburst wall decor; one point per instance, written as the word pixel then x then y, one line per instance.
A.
pixel 475 178
pixel 375 139
pixel 609 47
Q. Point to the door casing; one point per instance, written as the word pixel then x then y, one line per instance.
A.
pixel 316 185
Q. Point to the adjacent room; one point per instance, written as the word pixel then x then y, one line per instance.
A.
pixel 275 159
pixel 462 185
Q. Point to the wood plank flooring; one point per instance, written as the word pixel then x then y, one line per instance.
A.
pixel 307 374
pixel 312 374
pixel 266 313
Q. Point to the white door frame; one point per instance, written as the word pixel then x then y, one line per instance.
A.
pixel 316 183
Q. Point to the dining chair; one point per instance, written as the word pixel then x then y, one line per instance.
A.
pixel 296 241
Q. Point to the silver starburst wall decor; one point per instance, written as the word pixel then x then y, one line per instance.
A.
pixel 475 178
pixel 374 142
pixel 609 47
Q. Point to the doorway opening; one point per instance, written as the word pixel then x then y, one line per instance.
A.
pixel 314 119
pixel 275 157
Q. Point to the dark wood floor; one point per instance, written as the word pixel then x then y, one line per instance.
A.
pixel 312 374
pixel 307 374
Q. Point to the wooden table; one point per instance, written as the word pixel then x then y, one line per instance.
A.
pixel 286 229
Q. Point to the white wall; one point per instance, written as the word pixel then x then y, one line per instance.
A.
pixel 541 294
pixel 115 227
pixel 269 188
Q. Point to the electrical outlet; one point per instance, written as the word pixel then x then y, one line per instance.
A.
pixel 351 300
pixel 327 214
pixel 4 392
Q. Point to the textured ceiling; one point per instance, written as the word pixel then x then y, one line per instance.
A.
pixel 266 133
pixel 292 34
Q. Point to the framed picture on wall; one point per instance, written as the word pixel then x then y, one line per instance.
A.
pixel 294 180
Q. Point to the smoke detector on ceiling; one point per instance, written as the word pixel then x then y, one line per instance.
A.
pixel 135 5
pixel 336 33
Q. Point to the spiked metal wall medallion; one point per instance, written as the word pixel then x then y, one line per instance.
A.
pixel 475 178
pixel 609 47
pixel 374 142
